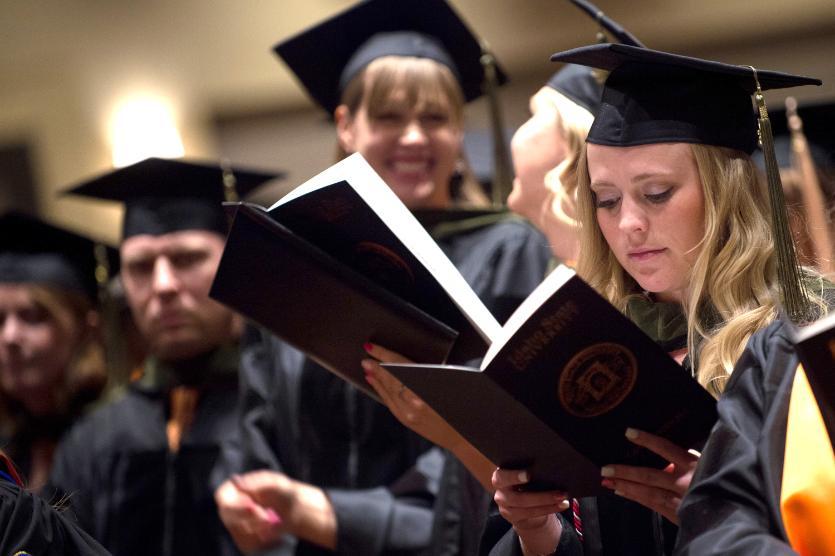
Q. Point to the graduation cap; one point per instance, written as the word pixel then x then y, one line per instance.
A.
pixel 658 97
pixel 163 196
pixel 328 55
pixel 579 84
pixel 34 252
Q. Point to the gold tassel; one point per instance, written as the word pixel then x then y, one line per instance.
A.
pixel 230 193
pixel 789 273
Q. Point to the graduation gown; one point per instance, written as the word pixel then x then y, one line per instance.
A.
pixel 127 488
pixel 31 526
pixel 733 506
pixel 381 478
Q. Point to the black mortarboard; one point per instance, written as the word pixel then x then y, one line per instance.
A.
pixel 657 97
pixel 328 55
pixel 34 252
pixel 163 196
pixel 580 85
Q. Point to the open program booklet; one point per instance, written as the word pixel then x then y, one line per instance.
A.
pixel 340 261
pixel 559 385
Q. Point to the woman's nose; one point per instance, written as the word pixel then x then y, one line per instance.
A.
pixel 413 133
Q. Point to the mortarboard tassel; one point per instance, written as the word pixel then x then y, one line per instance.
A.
pixel 814 205
pixel 788 269
pixel 230 193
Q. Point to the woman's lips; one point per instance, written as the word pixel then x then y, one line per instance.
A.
pixel 410 167
pixel 641 255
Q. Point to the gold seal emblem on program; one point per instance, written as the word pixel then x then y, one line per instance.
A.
pixel 597 379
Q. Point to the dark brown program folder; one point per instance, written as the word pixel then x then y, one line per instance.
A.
pixel 557 395
pixel 340 261
pixel 322 307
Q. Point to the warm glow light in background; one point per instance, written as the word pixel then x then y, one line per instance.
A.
pixel 143 126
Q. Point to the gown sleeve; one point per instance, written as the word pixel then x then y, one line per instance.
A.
pixel 31 526
pixel 733 503
pixel 251 449
pixel 508 544
pixel 396 518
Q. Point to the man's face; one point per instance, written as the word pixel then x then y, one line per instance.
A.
pixel 167 280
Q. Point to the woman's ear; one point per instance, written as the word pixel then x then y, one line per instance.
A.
pixel 344 128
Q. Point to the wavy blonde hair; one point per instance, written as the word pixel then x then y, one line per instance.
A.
pixel 573 123
pixel 426 83
pixel 733 282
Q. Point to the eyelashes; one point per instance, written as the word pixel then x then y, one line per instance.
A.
pixel 653 198
pixel 658 198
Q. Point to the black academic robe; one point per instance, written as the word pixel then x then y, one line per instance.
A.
pixel 381 478
pixel 733 506
pixel 31 526
pixel 128 490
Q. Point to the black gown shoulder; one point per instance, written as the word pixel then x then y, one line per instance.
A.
pixel 733 506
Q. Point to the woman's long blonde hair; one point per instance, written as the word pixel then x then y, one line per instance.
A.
pixel 426 83
pixel 733 284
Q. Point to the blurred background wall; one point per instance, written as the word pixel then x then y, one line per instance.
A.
pixel 84 81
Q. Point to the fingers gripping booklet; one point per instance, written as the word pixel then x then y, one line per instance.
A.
pixel 556 390
pixel 340 261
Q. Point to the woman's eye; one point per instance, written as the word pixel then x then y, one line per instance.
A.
pixel 605 201
pixel 658 198
pixel 388 116
pixel 434 118
pixel 34 315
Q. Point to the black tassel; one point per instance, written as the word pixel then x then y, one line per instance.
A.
pixel 789 272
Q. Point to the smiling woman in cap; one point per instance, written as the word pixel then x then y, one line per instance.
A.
pixel 395 77
pixel 675 222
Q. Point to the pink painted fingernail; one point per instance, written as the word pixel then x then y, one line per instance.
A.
pixel 367 346
pixel 272 517
pixel 606 483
